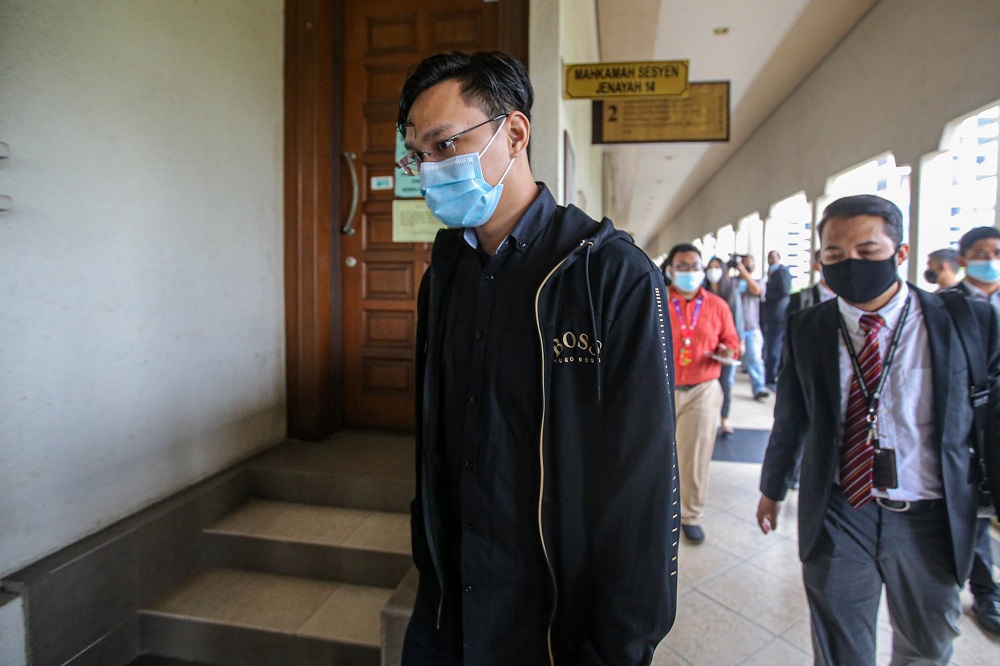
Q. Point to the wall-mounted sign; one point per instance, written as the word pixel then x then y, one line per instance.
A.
pixel 407 187
pixel 379 183
pixel 605 80
pixel 413 222
pixel 703 116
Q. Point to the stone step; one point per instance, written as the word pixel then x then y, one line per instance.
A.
pixel 226 617
pixel 321 542
pixel 354 470
pixel 396 617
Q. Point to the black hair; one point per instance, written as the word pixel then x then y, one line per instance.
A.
pixel 946 256
pixel 866 204
pixel 680 247
pixel 491 80
pixel 724 287
pixel 977 234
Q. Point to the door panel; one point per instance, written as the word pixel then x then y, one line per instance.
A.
pixel 382 42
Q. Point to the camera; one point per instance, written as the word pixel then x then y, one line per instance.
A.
pixel 734 260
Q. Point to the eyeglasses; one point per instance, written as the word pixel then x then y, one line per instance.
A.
pixel 443 149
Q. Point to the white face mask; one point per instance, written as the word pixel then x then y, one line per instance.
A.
pixel 456 191
pixel 688 281
pixel 713 275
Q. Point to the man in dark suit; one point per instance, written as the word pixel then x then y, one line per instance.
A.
pixel 979 254
pixel 810 296
pixel 888 492
pixel 772 314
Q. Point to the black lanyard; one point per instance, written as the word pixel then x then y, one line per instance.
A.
pixel 872 397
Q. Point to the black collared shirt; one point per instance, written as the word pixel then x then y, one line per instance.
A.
pixel 491 425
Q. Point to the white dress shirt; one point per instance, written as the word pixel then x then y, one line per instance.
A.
pixel 906 407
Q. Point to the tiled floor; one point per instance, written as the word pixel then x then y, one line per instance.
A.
pixel 741 596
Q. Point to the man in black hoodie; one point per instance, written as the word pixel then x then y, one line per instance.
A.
pixel 545 523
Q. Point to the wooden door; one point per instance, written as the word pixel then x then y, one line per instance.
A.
pixel 383 40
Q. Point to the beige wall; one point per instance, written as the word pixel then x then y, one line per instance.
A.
pixel 908 68
pixel 141 315
pixel 574 24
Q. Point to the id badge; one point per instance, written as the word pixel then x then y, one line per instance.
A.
pixel 884 470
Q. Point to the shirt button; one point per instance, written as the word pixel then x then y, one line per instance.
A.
pixel 468 588
pixel 479 335
pixel 469 527
pixel 522 244
pixel 468 464
pixel 474 400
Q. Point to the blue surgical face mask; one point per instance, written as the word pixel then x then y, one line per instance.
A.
pixel 688 281
pixel 772 268
pixel 456 191
pixel 984 270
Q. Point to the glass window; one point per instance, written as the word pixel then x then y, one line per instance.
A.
pixel 958 188
pixel 789 231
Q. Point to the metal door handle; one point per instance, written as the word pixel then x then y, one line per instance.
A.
pixel 349 224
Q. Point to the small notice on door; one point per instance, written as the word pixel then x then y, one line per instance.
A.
pixel 413 222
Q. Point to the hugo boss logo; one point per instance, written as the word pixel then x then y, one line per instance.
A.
pixel 576 348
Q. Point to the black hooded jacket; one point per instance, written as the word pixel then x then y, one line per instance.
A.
pixel 608 516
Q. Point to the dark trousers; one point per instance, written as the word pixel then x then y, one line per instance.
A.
pixel 774 337
pixel 860 551
pixel 726 379
pixel 981 581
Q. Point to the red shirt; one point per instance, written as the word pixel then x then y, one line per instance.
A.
pixel 714 326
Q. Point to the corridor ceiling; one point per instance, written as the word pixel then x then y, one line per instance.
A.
pixel 766 49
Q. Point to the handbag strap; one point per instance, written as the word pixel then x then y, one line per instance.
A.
pixel 970 334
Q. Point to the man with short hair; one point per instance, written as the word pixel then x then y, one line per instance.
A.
pixel 875 391
pixel 704 338
pixel 545 523
pixel 942 268
pixel 979 254
pixel 753 339
pixel 772 314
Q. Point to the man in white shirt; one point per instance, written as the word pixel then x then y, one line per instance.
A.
pixel 875 392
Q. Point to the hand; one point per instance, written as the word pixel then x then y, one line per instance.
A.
pixel 725 352
pixel 743 348
pixel 767 514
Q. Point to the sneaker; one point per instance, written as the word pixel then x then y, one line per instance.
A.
pixel 693 533
pixel 986 612
pixel 762 395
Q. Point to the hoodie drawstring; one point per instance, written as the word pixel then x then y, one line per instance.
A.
pixel 593 317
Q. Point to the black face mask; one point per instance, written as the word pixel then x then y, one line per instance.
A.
pixel 931 275
pixel 861 280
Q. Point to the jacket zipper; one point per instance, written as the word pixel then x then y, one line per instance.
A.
pixel 541 455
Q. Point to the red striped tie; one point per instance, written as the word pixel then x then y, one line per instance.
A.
pixel 857 454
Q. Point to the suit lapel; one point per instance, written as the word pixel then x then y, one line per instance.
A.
pixel 828 316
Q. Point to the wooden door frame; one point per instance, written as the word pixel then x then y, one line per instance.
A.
pixel 312 201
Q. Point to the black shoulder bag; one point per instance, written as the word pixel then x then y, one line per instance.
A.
pixel 970 334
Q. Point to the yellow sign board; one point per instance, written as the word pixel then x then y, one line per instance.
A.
pixel 703 116
pixel 603 80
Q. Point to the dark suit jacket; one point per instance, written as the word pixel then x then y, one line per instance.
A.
pixel 776 295
pixel 808 413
